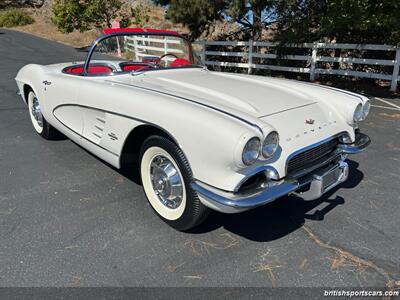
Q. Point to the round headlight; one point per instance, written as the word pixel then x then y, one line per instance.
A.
pixel 358 113
pixel 270 144
pixel 251 151
pixel 365 109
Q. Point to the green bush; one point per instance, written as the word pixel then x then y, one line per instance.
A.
pixel 13 18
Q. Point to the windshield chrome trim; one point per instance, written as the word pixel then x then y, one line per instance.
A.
pixel 106 36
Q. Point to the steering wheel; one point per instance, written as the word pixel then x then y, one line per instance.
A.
pixel 163 56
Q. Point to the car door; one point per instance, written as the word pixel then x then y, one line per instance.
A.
pixel 101 122
pixel 61 93
pixel 92 102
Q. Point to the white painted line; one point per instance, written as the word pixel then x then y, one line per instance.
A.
pixel 387 102
pixel 380 106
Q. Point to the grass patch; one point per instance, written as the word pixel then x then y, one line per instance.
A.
pixel 14 18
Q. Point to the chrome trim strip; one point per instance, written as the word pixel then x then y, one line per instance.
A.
pixel 189 100
pixel 100 120
pixel 96 135
pixel 333 89
pixel 110 112
pixel 81 136
pixel 278 112
pixel 117 114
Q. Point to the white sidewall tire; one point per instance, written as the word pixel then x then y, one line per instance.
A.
pixel 35 124
pixel 161 209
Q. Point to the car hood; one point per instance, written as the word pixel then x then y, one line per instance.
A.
pixel 250 95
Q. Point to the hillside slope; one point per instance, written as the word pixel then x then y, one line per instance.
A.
pixel 44 27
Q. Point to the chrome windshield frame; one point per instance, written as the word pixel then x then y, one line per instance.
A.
pixel 106 36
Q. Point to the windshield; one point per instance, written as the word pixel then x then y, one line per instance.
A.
pixel 138 53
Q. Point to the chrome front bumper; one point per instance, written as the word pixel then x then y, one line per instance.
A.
pixel 320 181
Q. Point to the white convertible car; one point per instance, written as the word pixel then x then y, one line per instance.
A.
pixel 199 139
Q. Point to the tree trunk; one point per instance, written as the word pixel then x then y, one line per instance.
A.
pixel 257 24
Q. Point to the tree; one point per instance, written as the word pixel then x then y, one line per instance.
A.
pixel 100 12
pixel 366 21
pixel 196 14
pixel 4 4
pixel 69 15
pixel 82 15
pixel 252 15
pixel 140 15
pixel 345 21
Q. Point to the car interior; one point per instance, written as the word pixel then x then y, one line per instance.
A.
pixel 106 68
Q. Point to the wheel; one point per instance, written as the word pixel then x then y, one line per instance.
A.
pixel 41 126
pixel 166 178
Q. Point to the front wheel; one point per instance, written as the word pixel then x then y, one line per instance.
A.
pixel 41 126
pixel 166 178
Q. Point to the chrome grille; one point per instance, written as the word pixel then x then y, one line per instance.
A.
pixel 308 158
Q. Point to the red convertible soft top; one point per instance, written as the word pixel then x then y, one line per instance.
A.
pixel 133 30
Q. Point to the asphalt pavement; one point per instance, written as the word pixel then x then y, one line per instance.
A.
pixel 68 219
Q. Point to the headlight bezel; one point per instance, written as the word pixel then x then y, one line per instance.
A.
pixel 273 139
pixel 252 145
pixel 358 113
pixel 366 109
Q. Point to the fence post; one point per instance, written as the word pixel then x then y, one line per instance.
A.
pixel 203 52
pixel 313 61
pixel 395 74
pixel 250 58
pixel 165 45
pixel 135 45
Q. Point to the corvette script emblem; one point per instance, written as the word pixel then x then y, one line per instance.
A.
pixel 310 121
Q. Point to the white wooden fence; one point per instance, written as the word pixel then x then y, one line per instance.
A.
pixel 249 54
pixel 251 51
pixel 141 45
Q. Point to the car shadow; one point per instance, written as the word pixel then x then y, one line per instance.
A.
pixel 127 170
pixel 268 222
pixel 281 217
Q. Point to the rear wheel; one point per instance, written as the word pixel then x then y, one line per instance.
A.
pixel 166 178
pixel 41 126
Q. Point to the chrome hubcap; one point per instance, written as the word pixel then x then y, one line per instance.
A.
pixel 36 112
pixel 166 181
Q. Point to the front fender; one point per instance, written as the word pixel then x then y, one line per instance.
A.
pixel 30 75
pixel 208 138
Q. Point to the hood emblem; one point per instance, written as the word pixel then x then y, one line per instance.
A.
pixel 310 121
